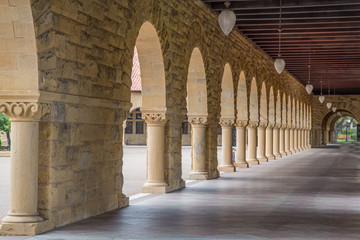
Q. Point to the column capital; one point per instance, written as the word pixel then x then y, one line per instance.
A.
pixel 226 122
pixel 263 124
pixel 278 125
pixel 241 123
pixel 271 125
pixel 198 120
pixel 25 111
pixel 284 125
pixel 155 118
pixel 253 124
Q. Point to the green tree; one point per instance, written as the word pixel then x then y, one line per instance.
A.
pixel 5 126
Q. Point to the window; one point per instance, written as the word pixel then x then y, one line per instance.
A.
pixel 138 116
pixel 130 116
pixel 219 129
pixel 140 127
pixel 129 127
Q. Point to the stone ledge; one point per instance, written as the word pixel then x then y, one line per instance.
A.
pixel 30 229
pixel 4 153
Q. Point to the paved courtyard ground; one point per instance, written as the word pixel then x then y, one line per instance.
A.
pixel 309 195
pixel 134 173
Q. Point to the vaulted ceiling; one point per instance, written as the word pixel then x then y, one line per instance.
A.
pixel 329 29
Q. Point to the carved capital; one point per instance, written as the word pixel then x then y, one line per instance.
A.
pixel 241 123
pixel 263 124
pixel 31 111
pixel 284 125
pixel 155 118
pixel 198 121
pixel 271 125
pixel 226 122
pixel 278 125
pixel 253 124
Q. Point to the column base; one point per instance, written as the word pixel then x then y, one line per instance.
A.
pixel 253 161
pixel 292 151
pixel 262 159
pixel 241 165
pixel 288 153
pixel 278 155
pixel 155 187
pixel 297 150
pixel 29 229
pixel 198 175
pixel 270 157
pixel 283 154
pixel 227 168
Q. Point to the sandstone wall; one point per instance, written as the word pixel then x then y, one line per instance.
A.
pixel 85 51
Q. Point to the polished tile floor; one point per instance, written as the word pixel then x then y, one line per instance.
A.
pixel 310 195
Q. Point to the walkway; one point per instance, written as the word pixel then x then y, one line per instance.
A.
pixel 309 195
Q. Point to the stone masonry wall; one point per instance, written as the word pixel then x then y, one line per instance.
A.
pixel 85 50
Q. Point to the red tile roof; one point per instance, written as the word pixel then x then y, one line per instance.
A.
pixel 135 73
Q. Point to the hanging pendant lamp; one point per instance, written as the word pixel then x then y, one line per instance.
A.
pixel 321 97
pixel 309 87
pixel 279 63
pixel 227 19
pixel 329 103
pixel 334 109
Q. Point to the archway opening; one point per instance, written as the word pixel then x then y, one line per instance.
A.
pixel 345 130
pixel 147 97
pixel 197 116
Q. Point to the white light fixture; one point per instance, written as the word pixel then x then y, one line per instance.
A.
pixel 279 63
pixel 309 87
pixel 334 109
pixel 321 97
pixel 328 105
pixel 227 19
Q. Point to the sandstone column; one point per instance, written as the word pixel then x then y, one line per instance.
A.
pixel 276 141
pixel 300 139
pixel 269 141
pixel 23 216
pixel 282 140
pixel 252 143
pixel 326 138
pixel 305 138
pixel 292 150
pixel 296 142
pixel 302 147
pixel 123 135
pixel 155 178
pixel 287 140
pixel 332 136
pixel 261 142
pixel 226 164
pixel 240 158
pixel 199 167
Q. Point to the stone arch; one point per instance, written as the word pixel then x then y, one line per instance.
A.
pixel 263 104
pixel 152 69
pixel 254 102
pixel 272 106
pixel 227 94
pixel 196 86
pixel 241 100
